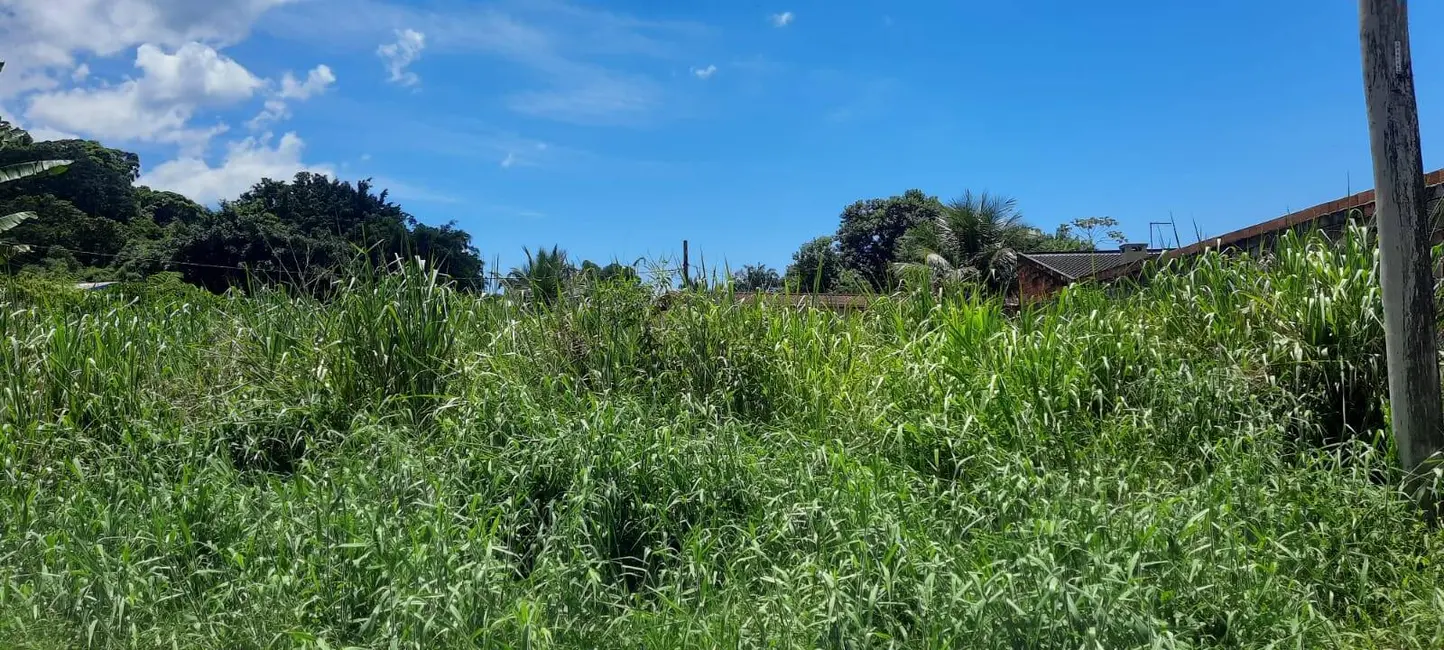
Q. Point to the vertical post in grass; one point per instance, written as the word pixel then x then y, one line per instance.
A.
pixel 1404 257
pixel 686 267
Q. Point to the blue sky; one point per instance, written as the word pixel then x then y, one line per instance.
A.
pixel 618 129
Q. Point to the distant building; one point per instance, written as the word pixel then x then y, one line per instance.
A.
pixel 1043 274
pixel 1329 217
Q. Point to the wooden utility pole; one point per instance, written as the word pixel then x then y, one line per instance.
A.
pixel 686 267
pixel 1404 233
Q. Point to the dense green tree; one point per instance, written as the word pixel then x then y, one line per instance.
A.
pixel 98 181
pixel 305 231
pixel 449 248
pixel 816 267
pixel 868 234
pixel 613 272
pixel 1062 239
pixel 61 230
pixel 241 242
pixel 16 164
pixel 94 220
pixel 756 277
pixel 164 208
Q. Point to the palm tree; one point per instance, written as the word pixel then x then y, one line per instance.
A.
pixel 11 136
pixel 976 236
pixel 544 275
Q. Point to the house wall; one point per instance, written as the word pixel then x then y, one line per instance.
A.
pixel 1036 283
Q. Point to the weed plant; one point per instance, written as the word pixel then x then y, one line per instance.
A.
pixel 1202 461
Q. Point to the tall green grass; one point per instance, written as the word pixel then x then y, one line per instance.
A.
pixel 1200 462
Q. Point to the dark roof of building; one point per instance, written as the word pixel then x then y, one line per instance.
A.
pixel 1072 265
pixel 1363 201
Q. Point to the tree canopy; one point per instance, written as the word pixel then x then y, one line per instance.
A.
pixel 868 232
pixel 14 169
pixel 93 222
pixel 756 277
pixel 973 238
pixel 816 266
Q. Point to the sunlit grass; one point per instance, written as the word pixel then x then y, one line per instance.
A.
pixel 1197 463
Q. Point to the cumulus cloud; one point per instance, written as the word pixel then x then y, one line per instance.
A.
pixel 273 110
pixel 81 72
pixel 246 162
pixel 782 20
pixel 43 35
pixel 705 73
pixel 156 106
pixel 196 73
pixel 317 81
pixel 401 54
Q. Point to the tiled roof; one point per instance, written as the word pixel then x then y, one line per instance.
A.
pixel 1364 201
pixel 1073 264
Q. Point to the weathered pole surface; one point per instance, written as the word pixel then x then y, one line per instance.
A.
pixel 1404 235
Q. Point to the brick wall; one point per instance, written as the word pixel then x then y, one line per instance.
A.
pixel 1036 283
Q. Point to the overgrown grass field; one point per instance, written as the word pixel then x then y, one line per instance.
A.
pixel 1199 463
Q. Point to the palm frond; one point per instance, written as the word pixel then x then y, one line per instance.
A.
pixel 22 170
pixel 938 262
pixel 11 220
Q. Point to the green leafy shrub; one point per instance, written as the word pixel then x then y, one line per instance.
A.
pixel 390 463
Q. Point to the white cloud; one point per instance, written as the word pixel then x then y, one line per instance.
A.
pixel 43 134
pixel 195 74
pixel 80 73
pixel 118 113
pixel 781 20
pixel 574 53
pixel 157 106
pixel 705 73
pixel 272 111
pixel 401 54
pixel 317 81
pixel 603 98
pixel 509 160
pixel 246 163
pixel 42 35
